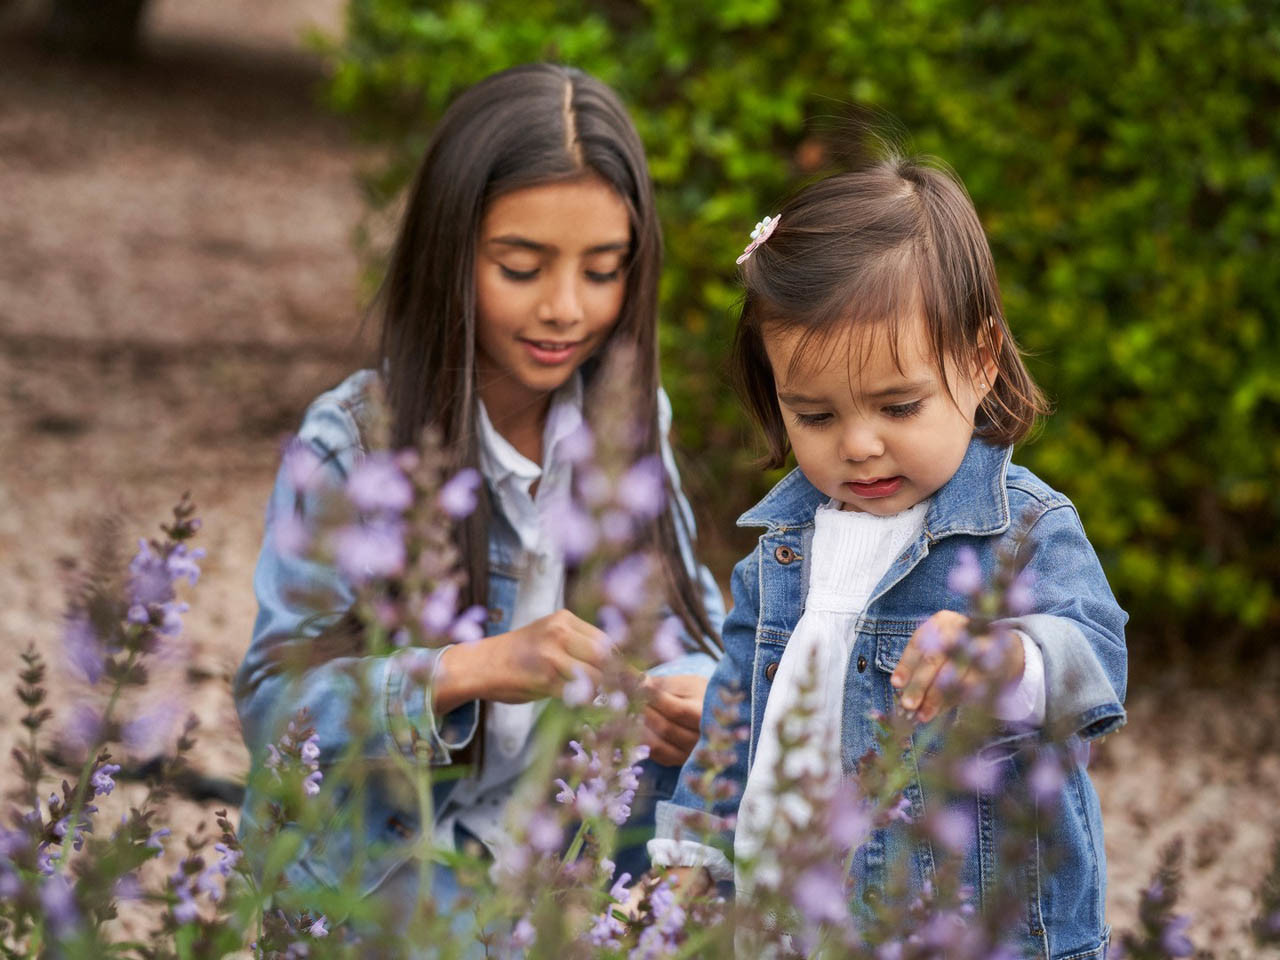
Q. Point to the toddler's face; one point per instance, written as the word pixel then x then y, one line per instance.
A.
pixel 550 278
pixel 878 439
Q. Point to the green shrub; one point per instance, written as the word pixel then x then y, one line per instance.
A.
pixel 1123 156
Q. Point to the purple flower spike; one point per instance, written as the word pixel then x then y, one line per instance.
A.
pixel 457 497
pixel 572 529
pixel 439 608
pixel 965 577
pixel 1020 599
pixel 642 489
pixel 1173 938
pixel 83 649
pixel 301 466
pixel 819 894
pixel 953 828
pixel 626 581
pixel 59 903
pixel 377 485
pixel 101 781
pixel 369 551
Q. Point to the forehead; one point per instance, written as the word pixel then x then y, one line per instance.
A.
pixel 569 215
pixel 870 355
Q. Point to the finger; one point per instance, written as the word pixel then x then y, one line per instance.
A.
pixel 588 644
pixel 689 685
pixel 921 679
pixel 662 749
pixel 681 737
pixel 680 711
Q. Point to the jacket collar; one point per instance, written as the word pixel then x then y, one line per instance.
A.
pixel 973 501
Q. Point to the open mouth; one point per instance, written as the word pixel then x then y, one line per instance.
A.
pixel 879 487
pixel 550 351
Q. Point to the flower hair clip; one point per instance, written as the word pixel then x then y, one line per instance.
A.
pixel 763 231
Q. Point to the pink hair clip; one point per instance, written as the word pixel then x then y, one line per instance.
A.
pixel 763 231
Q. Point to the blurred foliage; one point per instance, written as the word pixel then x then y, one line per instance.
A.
pixel 1123 156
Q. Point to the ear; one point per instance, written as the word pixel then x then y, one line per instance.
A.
pixel 988 366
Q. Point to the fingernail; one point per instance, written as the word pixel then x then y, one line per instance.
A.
pixel 896 680
pixel 909 702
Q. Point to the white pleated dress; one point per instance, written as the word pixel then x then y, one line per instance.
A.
pixel 851 552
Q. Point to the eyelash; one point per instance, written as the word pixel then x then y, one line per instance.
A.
pixel 898 411
pixel 524 276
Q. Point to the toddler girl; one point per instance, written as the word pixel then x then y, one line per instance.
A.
pixel 872 345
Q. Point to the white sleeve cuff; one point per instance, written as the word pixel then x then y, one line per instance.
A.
pixel 689 853
pixel 1024 704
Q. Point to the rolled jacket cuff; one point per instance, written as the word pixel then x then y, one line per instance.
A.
pixel 409 710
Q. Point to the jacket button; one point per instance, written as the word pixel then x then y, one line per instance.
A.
pixel 495 614
pixel 862 664
pixel 770 671
pixel 784 555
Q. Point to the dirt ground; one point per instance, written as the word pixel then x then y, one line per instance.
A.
pixel 177 279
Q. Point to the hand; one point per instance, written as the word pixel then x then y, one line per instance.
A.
pixel 673 716
pixel 928 675
pixel 531 663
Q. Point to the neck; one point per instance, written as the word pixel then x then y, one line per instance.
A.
pixel 517 413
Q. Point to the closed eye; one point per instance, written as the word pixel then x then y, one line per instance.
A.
pixel 813 419
pixel 595 276
pixel 519 276
pixel 901 411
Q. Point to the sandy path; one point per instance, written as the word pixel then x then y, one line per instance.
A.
pixel 177 280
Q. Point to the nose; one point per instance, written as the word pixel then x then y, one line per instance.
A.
pixel 860 442
pixel 562 303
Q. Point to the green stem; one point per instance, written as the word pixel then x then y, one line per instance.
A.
pixel 82 784
pixel 575 847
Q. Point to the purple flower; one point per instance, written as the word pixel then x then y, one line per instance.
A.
pixel 616 526
pixel 156 840
pixel 457 497
pixel 1173 938
pixel 578 446
pixel 310 749
pixel 579 690
pixel 666 645
pixel 59 904
pixel 1019 598
pixel 571 528
pixel 301 466
pixel 438 609
pixel 377 485
pixel 147 734
pixel 820 896
pixel 965 577
pixel 931 638
pixel 953 828
pixel 524 934
pixel 290 533
pixel 642 489
pixel 900 810
pixel 619 890
pixel 101 780
pixel 977 774
pixel 311 785
pixel 318 929
pixel 84 651
pixel 149 581
pixel 84 727
pixel 848 818
pixel 606 932
pixel 185 910
pixel 1046 778
pixel 469 626
pixel 370 550
pixel 543 832
pixel 626 582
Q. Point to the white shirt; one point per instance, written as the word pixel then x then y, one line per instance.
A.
pixel 478 801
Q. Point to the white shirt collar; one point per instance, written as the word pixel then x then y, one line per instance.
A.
pixel 500 460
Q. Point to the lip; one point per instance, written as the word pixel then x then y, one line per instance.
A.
pixel 550 353
pixel 873 489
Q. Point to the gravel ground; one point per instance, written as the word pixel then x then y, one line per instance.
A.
pixel 177 280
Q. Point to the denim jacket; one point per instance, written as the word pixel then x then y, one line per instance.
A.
pixel 1076 623
pixel 266 699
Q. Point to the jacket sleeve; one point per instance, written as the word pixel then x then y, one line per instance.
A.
pixel 297 598
pixel 1078 627
pixel 712 600
pixel 728 693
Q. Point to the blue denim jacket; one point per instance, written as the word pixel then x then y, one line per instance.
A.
pixel 1076 623
pixel 267 699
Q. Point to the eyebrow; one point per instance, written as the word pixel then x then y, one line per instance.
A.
pixel 524 243
pixel 889 393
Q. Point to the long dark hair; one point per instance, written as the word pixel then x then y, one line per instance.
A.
pixel 868 249
pixel 523 127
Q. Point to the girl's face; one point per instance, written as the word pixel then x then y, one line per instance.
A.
pixel 879 439
pixel 549 278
